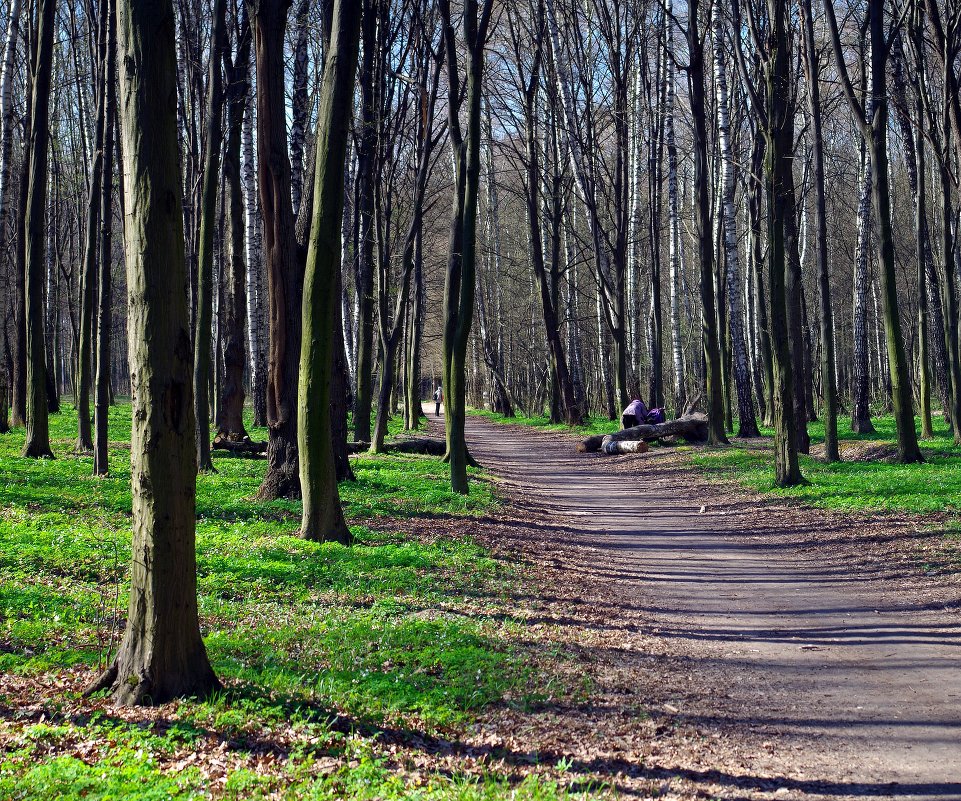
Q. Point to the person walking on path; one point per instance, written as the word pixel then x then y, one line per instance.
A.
pixel 438 399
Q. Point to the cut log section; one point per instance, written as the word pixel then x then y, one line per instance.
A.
pixel 613 448
pixel 691 427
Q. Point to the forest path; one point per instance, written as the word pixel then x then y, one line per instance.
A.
pixel 857 675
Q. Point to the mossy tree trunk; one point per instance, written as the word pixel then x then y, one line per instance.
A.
pixel 161 655
pixel 37 442
pixel 323 518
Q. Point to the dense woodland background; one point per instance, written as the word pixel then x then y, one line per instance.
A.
pixel 628 205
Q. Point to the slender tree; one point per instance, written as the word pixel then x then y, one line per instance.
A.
pixel 323 518
pixel 104 292
pixel 284 268
pixel 875 130
pixel 37 442
pixel 460 279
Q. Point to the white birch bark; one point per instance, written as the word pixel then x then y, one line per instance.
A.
pixel 675 243
pixel 735 311
pixel 861 372
pixel 255 278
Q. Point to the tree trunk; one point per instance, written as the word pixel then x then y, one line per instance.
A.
pixel 7 122
pixel 161 655
pixel 255 271
pixel 829 387
pixel 230 408
pixel 460 278
pixel 323 518
pixel 710 341
pixel 105 290
pixel 299 106
pixel 370 76
pixel 747 422
pixel 284 270
pixel 88 276
pixel 37 442
pixel 208 220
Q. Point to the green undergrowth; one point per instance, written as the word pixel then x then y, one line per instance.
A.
pixel 395 634
pixel 865 480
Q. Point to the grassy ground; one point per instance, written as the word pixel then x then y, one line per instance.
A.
pixel 326 652
pixel 864 480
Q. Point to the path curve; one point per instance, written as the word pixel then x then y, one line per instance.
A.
pixel 868 682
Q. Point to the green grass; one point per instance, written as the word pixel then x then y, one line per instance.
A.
pixel 934 486
pixel 396 632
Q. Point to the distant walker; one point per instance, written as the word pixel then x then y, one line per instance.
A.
pixel 438 399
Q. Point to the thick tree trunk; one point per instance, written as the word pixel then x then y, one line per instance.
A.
pixel 161 655
pixel 37 442
pixel 323 518
pixel 284 269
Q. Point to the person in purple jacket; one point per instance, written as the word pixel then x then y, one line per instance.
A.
pixel 634 414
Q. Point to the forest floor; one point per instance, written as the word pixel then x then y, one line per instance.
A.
pixel 796 652
pixel 578 627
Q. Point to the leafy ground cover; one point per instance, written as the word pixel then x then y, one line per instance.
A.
pixel 334 659
pixel 865 480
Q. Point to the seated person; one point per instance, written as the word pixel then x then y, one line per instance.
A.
pixel 634 414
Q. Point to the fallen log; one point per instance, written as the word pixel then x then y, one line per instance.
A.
pixel 692 427
pixel 242 447
pixel 424 446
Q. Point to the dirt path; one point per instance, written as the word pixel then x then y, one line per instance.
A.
pixel 856 673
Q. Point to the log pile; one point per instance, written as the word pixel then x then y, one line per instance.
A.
pixel 691 427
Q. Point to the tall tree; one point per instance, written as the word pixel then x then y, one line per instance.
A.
pixel 460 278
pixel 102 396
pixel 37 442
pixel 875 130
pixel 208 221
pixel 710 340
pixel 323 518
pixel 161 655
pixel 284 268
pixel 230 409
pixel 829 387
pixel 747 422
